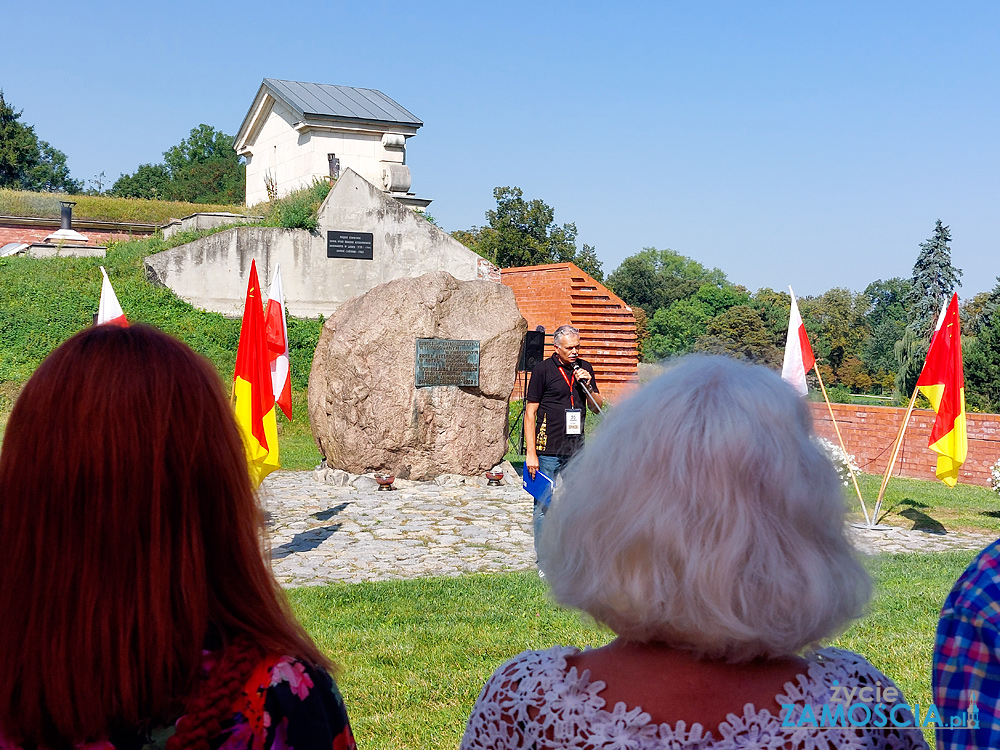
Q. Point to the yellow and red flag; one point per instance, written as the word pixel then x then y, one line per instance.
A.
pixel 252 392
pixel 943 383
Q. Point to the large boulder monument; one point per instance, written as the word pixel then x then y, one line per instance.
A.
pixel 413 378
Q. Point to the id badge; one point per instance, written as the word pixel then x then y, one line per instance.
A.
pixel 574 421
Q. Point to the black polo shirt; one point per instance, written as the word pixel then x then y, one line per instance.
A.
pixel 549 387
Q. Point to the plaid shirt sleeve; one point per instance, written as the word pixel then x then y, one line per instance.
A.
pixel 966 666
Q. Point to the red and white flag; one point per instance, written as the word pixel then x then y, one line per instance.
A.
pixel 799 357
pixel 109 311
pixel 276 333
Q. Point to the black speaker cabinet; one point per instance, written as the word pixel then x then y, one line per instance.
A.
pixel 534 350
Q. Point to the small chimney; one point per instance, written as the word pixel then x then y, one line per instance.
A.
pixel 66 234
pixel 66 214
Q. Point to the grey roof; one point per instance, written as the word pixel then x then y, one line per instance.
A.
pixel 326 100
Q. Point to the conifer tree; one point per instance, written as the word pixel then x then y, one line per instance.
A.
pixel 934 280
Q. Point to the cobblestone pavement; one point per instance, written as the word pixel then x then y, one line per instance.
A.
pixel 321 532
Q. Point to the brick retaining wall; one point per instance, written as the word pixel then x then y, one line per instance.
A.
pixel 869 432
pixel 29 230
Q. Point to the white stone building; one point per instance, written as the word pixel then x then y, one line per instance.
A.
pixel 296 132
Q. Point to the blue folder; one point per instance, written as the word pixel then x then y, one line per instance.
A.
pixel 539 488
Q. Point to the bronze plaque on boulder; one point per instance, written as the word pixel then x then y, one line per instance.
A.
pixel 447 362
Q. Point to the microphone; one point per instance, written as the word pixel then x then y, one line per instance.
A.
pixel 576 369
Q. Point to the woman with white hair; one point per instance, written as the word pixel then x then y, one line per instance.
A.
pixel 706 529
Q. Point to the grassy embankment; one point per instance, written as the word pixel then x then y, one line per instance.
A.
pixel 45 301
pixel 102 207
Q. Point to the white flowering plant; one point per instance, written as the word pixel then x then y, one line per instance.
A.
pixel 842 461
pixel 995 477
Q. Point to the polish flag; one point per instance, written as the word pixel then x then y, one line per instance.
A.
pixel 109 311
pixel 799 357
pixel 276 334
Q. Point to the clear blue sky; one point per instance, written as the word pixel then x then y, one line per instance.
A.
pixel 803 143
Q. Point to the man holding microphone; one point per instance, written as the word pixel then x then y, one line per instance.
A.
pixel 559 392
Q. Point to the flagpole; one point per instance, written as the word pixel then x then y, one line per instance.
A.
pixel 843 447
pixel 913 399
pixel 895 453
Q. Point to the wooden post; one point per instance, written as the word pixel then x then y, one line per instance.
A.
pixel 843 448
pixel 895 453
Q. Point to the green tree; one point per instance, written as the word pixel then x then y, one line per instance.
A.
pixel 50 174
pixel 978 312
pixel 587 261
pixel 835 321
pixel 27 163
pixel 149 181
pixel 887 301
pixel 886 320
pixel 641 332
pixel 718 299
pixel 981 350
pixel 740 332
pixel 202 168
pixel 982 367
pixel 879 350
pixel 933 281
pixel 469 237
pixel 674 329
pixel 523 232
pixel 654 279
pixel 910 351
pixel 773 308
pixel 18 147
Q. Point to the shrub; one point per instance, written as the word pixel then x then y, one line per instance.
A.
pixel 839 394
pixel 299 209
pixel 995 477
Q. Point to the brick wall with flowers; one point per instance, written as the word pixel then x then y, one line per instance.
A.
pixel 870 431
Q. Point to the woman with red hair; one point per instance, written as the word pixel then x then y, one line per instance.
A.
pixel 138 610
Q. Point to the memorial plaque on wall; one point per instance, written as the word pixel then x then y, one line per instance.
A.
pixel 357 245
pixel 447 362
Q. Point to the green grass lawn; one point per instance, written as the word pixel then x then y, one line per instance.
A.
pixel 414 654
pixel 295 440
pixel 929 506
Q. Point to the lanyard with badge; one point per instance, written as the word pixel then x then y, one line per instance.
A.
pixel 574 416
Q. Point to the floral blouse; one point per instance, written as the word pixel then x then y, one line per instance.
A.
pixel 284 705
pixel 537 700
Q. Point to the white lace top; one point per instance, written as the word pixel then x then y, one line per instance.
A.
pixel 533 701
